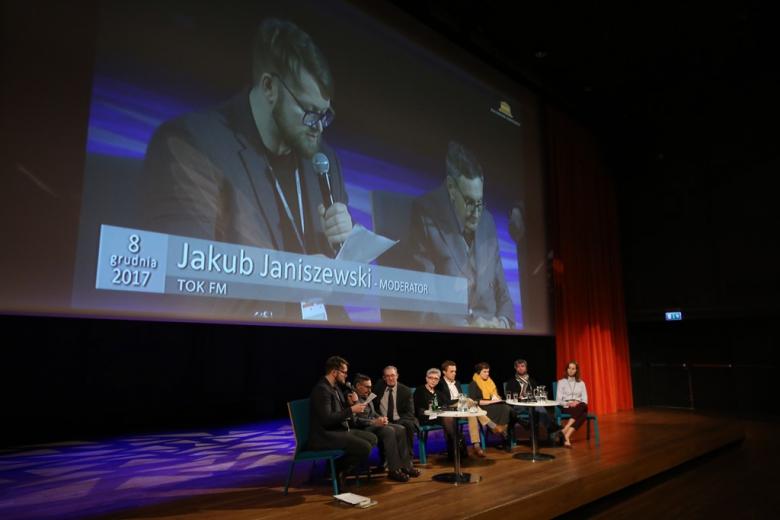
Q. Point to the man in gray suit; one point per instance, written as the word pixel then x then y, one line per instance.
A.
pixel 242 173
pixel 453 234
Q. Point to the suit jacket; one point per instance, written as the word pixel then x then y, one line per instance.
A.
pixel 330 416
pixel 513 385
pixel 444 391
pixel 363 420
pixel 206 176
pixel 437 246
pixel 422 398
pixel 403 399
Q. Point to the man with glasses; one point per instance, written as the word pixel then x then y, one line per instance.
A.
pixel 453 234
pixel 395 403
pixel 331 415
pixel 392 437
pixel 242 173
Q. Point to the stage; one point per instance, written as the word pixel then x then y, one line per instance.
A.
pixel 239 473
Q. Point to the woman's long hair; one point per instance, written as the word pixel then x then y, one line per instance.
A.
pixel 576 374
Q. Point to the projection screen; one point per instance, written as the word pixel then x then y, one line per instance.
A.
pixel 298 163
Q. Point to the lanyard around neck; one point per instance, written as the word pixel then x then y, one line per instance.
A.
pixel 298 234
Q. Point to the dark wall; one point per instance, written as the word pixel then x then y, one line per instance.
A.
pixel 706 364
pixel 65 378
pixel 699 234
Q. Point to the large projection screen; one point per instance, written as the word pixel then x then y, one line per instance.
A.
pixel 215 132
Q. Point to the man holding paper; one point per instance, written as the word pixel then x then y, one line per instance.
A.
pixel 392 436
pixel 331 415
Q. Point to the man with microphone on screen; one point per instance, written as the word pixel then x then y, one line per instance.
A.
pixel 453 234
pixel 255 170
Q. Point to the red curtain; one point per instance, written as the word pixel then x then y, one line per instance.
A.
pixel 590 318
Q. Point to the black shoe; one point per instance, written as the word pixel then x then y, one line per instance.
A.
pixel 412 472
pixel 507 444
pixel 398 475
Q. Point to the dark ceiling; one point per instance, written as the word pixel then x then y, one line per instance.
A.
pixel 684 99
pixel 677 77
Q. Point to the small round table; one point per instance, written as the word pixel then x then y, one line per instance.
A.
pixel 534 456
pixel 457 477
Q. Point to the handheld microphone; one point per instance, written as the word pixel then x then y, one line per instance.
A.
pixel 350 389
pixel 321 166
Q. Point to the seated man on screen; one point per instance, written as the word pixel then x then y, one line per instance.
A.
pixel 395 403
pixel 452 234
pixel 242 172
pixel 331 413
pixel 392 437
pixel 523 384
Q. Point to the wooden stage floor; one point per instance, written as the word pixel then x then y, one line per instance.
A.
pixel 635 446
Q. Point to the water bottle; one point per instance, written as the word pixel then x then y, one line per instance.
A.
pixel 435 402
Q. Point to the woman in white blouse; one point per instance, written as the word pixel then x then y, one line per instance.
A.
pixel 574 400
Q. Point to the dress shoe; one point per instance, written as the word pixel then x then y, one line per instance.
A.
pixel 478 452
pixel 398 475
pixel 412 472
pixel 507 443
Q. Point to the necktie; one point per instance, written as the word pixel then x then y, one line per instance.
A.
pixel 390 406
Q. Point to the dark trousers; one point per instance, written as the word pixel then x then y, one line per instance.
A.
pixel 392 441
pixel 410 428
pixel 579 413
pixel 357 445
pixel 543 418
pixel 450 425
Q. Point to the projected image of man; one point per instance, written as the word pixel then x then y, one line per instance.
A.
pixel 453 234
pixel 243 173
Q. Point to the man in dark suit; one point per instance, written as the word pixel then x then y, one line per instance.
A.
pixel 450 387
pixel 452 233
pixel 392 437
pixel 242 173
pixel 396 403
pixel 331 413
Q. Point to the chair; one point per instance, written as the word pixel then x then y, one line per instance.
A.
pixel 422 437
pixel 391 216
pixel 464 388
pixel 299 416
pixel 560 414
